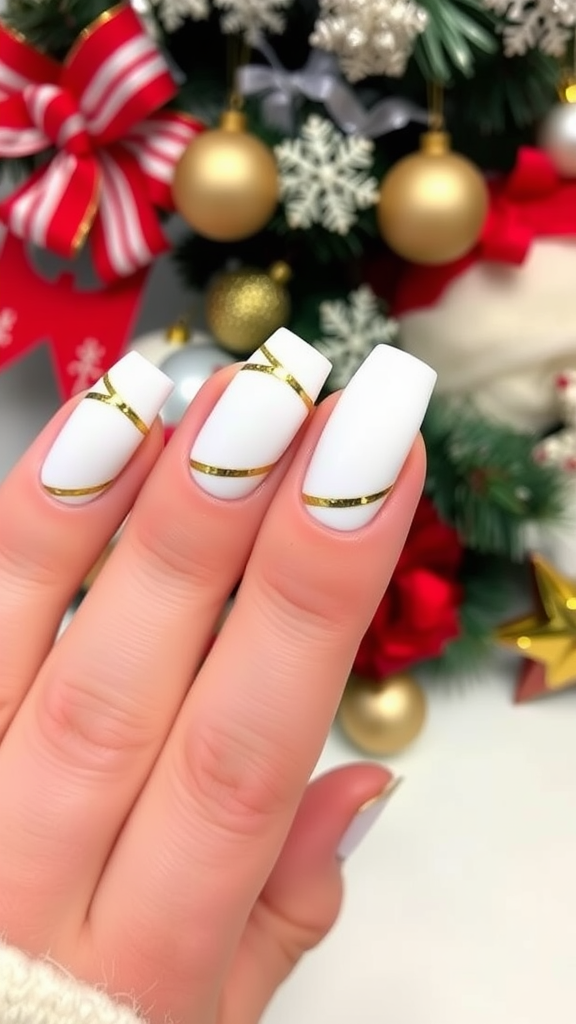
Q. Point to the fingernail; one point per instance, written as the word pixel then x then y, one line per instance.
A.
pixel 258 415
pixel 366 816
pixel 104 431
pixel 367 438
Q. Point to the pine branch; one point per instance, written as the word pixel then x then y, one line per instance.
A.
pixel 458 32
pixel 483 479
pixel 53 26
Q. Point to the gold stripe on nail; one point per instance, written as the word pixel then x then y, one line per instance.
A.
pixel 275 369
pixel 367 499
pixel 203 467
pixel 114 399
pixel 76 492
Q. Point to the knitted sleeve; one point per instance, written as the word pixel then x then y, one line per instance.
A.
pixel 39 992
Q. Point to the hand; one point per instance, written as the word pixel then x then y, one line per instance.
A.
pixel 158 835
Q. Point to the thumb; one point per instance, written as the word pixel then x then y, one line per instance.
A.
pixel 302 898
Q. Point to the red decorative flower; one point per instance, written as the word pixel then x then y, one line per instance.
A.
pixel 419 612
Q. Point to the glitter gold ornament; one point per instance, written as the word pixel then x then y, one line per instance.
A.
pixel 244 307
pixel 382 718
pixel 432 203
pixel 226 182
pixel 547 636
pixel 557 135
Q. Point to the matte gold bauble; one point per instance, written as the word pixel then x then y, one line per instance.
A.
pixel 244 307
pixel 382 718
pixel 432 204
pixel 226 182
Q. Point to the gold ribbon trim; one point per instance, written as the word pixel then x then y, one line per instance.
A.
pixel 367 499
pixel 76 492
pixel 117 402
pixel 203 467
pixel 275 369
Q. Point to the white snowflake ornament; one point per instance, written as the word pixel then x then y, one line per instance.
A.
pixel 547 25
pixel 323 176
pixel 559 449
pixel 252 17
pixel 173 13
pixel 351 328
pixel 369 37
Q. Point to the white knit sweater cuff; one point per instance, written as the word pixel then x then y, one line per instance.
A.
pixel 39 992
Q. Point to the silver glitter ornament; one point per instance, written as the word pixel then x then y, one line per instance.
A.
pixel 558 138
pixel 189 367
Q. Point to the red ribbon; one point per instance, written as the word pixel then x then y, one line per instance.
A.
pixel 527 204
pixel 114 155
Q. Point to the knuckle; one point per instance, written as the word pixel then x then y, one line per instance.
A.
pixel 321 604
pixel 90 725
pixel 236 789
pixel 167 545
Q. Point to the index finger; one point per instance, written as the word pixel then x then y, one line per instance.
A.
pixel 226 788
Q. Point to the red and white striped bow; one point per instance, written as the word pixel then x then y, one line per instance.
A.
pixel 113 153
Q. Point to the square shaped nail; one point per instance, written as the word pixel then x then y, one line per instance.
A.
pixel 258 415
pixel 104 430
pixel 367 438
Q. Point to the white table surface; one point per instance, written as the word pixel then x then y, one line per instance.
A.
pixel 461 905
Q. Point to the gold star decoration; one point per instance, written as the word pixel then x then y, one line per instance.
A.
pixel 548 636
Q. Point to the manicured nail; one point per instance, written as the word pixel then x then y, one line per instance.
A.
pixel 258 415
pixel 367 438
pixel 104 431
pixel 366 816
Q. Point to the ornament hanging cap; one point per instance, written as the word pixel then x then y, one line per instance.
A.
pixel 178 333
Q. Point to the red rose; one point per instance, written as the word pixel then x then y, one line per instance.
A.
pixel 419 612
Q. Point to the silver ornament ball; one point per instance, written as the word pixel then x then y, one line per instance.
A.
pixel 189 367
pixel 558 138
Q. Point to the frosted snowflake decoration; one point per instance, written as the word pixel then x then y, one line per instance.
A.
pixel 369 37
pixel 173 13
pixel 351 328
pixel 547 25
pixel 252 17
pixel 323 177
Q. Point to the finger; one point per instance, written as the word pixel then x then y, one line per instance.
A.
pixel 229 781
pixel 52 528
pixel 109 691
pixel 301 900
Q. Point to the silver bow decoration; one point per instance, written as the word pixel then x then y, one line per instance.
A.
pixel 320 81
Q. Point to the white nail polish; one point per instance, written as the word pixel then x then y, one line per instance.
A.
pixel 258 415
pixel 363 820
pixel 104 431
pixel 367 438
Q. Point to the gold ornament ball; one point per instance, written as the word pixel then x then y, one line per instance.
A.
pixel 244 307
pixel 226 182
pixel 432 204
pixel 382 718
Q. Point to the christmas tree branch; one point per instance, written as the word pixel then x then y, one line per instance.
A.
pixel 483 479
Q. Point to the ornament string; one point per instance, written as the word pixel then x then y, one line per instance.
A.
pixel 112 150
pixel 319 81
pixel 435 106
